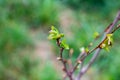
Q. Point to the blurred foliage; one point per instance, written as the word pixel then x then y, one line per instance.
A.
pixel 16 67
pixel 84 4
pixel 48 12
pixel 49 73
pixel 13 37
pixel 16 43
pixel 32 12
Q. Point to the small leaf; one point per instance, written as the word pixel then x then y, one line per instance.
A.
pixel 86 50
pixel 64 45
pixel 96 34
pixel 54 34
pixel 110 39
pixel 61 35
pixel 54 29
pixel 108 42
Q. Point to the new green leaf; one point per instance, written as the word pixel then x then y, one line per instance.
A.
pixel 54 34
pixel 64 45
pixel 107 42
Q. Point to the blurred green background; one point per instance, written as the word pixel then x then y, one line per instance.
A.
pixel 27 54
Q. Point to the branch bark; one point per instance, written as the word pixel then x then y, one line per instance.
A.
pixel 63 61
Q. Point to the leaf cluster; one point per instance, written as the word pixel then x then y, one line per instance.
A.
pixel 54 34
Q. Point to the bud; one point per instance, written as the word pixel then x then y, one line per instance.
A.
pixel 102 45
pixel 91 44
pixel 96 35
pixel 82 49
pixel 58 58
pixel 86 50
pixel 78 67
pixel 79 61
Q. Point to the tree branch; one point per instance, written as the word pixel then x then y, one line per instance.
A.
pixel 80 60
pixel 97 50
pixel 84 69
pixel 63 61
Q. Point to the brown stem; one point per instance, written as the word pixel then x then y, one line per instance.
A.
pixel 63 61
pixel 78 61
pixel 84 69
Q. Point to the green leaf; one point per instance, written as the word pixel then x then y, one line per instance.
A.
pixel 108 42
pixel 110 39
pixel 64 45
pixel 96 34
pixel 54 29
pixel 54 34
pixel 86 50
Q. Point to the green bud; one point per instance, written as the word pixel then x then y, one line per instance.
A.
pixel 96 34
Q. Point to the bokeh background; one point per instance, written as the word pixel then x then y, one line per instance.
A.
pixel 27 54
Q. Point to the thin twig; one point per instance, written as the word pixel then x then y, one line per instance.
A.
pixel 84 69
pixel 78 61
pixel 63 61
pixel 83 55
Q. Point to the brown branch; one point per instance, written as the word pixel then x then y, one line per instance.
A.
pixel 84 69
pixel 97 49
pixel 78 61
pixel 84 54
pixel 116 28
pixel 63 61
